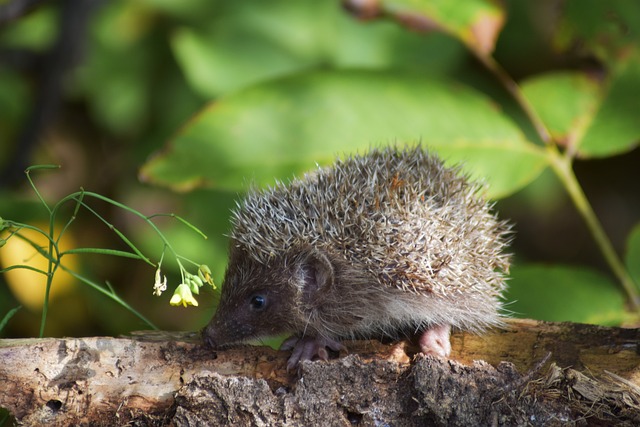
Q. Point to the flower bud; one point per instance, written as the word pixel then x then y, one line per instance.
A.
pixel 205 274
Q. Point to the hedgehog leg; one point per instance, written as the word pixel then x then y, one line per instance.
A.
pixel 435 341
pixel 306 348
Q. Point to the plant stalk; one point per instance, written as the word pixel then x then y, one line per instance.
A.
pixel 561 165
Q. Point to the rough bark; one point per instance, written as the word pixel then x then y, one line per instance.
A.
pixel 591 377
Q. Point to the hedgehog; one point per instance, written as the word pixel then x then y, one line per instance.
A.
pixel 390 243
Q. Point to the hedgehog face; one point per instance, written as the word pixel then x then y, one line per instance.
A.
pixel 255 302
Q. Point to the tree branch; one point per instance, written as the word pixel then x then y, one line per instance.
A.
pixel 163 378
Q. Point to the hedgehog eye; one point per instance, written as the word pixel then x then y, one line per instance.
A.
pixel 258 302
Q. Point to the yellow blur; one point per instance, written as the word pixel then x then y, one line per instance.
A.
pixel 29 286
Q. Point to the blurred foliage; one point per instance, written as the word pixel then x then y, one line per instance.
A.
pixel 461 124
pixel 585 287
pixel 252 91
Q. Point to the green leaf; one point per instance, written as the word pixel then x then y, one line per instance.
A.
pixel 35 31
pixel 286 126
pixel 477 23
pixel 216 67
pixel 504 165
pixel 632 258
pixel 565 101
pixel 251 41
pixel 562 293
pixel 616 126
pixel 606 29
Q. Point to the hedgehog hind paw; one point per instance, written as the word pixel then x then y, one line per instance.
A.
pixel 436 341
pixel 306 348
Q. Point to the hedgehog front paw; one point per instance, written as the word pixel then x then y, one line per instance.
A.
pixel 436 341
pixel 306 348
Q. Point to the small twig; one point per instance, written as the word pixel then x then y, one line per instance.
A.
pixel 624 381
pixel 515 385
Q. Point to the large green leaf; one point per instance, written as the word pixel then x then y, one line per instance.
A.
pixel 616 126
pixel 251 41
pixel 562 293
pixel 605 29
pixel 276 129
pixel 599 119
pixel 476 23
pixel 237 53
pixel 565 101
pixel 504 165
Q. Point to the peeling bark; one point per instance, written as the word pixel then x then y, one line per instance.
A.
pixel 592 377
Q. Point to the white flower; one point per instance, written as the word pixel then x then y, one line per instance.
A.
pixel 161 283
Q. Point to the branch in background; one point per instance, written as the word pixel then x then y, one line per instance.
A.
pixel 74 16
pixel 17 9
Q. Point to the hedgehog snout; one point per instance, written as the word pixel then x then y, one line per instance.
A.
pixel 208 336
pixel 216 334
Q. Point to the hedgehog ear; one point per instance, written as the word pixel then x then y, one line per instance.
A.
pixel 317 275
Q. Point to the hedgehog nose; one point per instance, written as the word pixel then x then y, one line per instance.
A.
pixel 208 338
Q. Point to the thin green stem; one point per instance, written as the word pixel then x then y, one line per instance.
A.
pixel 54 262
pixel 72 218
pixel 562 167
pixel 73 196
pixel 195 264
pixel 182 220
pixel 53 255
pixel 112 295
pixel 18 226
pixel 33 186
pixel 182 270
pixel 6 319
pixel 24 267
pixel 119 234
pixel 514 90
pixel 108 283
pixel 101 251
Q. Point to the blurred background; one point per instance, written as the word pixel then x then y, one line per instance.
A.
pixel 101 87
